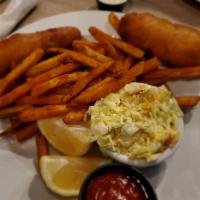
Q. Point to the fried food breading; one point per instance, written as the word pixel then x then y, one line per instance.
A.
pixel 18 46
pixel 176 44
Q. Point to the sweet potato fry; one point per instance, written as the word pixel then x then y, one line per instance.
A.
pixel 110 49
pixel 114 21
pixel 26 132
pixel 121 66
pixel 62 69
pixel 6 112
pixel 155 82
pixel 95 54
pixel 173 73
pixel 187 101
pixel 20 69
pixel 74 117
pixel 75 89
pixel 57 50
pixel 90 96
pixel 76 56
pixel 128 62
pixel 93 45
pixel 34 114
pixel 86 60
pixel 53 99
pixel 151 65
pixel 13 95
pixel 47 64
pixel 79 44
pixel 62 90
pixel 41 146
pixel 42 88
pixel 127 48
pixel 10 130
pixel 117 68
pixel 99 84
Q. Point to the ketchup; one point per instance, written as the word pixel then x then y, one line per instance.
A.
pixel 114 185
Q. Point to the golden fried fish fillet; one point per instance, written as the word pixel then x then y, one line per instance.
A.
pixel 18 46
pixel 176 44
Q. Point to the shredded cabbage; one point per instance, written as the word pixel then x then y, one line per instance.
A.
pixel 139 121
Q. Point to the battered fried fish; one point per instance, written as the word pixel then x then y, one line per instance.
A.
pixel 176 44
pixel 18 46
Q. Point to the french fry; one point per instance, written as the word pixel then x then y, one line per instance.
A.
pixel 127 48
pixel 34 114
pixel 26 132
pixel 74 117
pixel 151 65
pixel 42 88
pixel 155 82
pixel 128 62
pixel 86 60
pixel 97 80
pixel 117 68
pixel 11 129
pixel 20 69
pixel 14 84
pixel 75 89
pixel 90 96
pixel 79 44
pixel 62 90
pixel 121 66
pixel 99 84
pixel 173 73
pixel 15 94
pixel 47 64
pixel 110 49
pixel 53 99
pixel 77 56
pixel 93 45
pixel 187 101
pixel 95 54
pixel 62 69
pixel 57 50
pixel 83 43
pixel 7 112
pixel 114 21
pixel 41 146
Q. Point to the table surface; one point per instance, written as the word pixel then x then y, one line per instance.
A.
pixel 180 10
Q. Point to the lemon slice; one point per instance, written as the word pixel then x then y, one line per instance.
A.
pixel 65 175
pixel 69 140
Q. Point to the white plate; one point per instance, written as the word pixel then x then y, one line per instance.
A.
pixel 176 179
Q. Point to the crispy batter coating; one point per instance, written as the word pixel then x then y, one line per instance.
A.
pixel 176 44
pixel 18 46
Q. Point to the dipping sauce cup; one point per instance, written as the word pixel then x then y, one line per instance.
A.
pixel 112 5
pixel 114 182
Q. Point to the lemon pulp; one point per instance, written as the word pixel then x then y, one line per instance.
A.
pixel 69 140
pixel 64 175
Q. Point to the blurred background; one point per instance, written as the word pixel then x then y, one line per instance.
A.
pixel 186 11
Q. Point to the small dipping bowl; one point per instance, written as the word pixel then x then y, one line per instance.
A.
pixel 111 5
pixel 116 181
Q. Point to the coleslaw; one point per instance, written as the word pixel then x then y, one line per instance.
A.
pixel 139 121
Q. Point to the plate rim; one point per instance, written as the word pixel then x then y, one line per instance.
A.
pixel 80 12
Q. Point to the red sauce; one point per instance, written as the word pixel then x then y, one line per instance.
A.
pixel 114 186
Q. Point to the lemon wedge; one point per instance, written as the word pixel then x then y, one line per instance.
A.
pixel 69 140
pixel 65 175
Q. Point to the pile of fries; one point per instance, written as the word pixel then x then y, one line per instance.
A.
pixel 65 82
